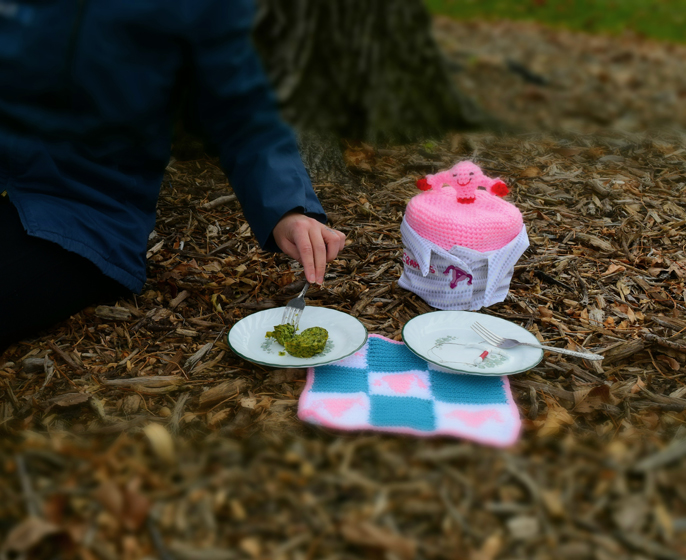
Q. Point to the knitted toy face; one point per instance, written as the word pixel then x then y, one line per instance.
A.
pixel 465 177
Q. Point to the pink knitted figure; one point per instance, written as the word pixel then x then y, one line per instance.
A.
pixel 465 177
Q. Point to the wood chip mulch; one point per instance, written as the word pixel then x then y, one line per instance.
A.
pixel 132 431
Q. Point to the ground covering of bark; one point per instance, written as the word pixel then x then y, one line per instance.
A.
pixel 132 431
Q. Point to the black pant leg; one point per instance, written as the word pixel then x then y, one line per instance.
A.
pixel 41 283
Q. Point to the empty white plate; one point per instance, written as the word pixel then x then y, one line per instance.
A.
pixel 445 339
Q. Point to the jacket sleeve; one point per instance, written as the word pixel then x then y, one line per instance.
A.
pixel 238 112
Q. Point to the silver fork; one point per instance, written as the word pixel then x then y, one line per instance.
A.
pixel 294 309
pixel 505 343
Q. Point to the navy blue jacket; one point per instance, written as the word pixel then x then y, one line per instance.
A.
pixel 87 90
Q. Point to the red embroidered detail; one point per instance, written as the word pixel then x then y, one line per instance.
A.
pixel 500 189
pixel 423 184
pixel 458 276
pixel 467 200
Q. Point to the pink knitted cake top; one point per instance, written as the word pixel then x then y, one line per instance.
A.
pixel 453 211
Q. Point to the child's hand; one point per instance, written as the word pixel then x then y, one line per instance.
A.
pixel 309 242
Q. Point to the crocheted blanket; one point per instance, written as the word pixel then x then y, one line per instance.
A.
pixel 385 387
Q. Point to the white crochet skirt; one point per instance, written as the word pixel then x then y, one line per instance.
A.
pixel 459 279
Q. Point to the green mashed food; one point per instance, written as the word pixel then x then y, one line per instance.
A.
pixel 304 345
pixel 282 333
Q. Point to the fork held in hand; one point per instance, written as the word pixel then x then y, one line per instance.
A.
pixel 504 343
pixel 294 309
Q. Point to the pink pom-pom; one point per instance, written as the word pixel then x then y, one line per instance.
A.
pixel 499 189
pixel 423 184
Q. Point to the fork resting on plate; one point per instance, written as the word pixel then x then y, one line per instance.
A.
pixel 505 343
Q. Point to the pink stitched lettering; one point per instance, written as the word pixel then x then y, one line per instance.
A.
pixel 410 262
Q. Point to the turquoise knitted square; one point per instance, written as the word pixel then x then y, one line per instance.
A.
pixel 402 412
pixel 389 389
pixel 337 379
pixel 383 357
pixel 467 389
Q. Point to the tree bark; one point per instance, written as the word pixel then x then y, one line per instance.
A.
pixel 356 69
pixel 361 69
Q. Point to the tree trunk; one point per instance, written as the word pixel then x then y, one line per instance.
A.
pixel 356 69
pixel 362 69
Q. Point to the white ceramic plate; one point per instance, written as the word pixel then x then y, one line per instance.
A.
pixel 445 339
pixel 247 337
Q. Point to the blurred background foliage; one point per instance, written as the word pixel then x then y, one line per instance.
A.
pixel 656 19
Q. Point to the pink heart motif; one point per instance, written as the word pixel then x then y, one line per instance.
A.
pixel 401 383
pixel 339 406
pixel 476 419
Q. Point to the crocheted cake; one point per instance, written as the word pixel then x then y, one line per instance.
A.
pixel 459 214
pixel 461 243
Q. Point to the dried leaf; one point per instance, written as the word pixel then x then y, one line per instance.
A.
pixel 250 402
pixel 490 549
pixel 545 312
pixel 216 418
pixel 161 442
pixel 568 151
pixel 367 534
pixel 673 364
pixel 523 527
pixel 31 533
pixel 137 506
pixel 592 398
pixel 556 418
pixel 531 172
pixel 552 499
pixel 70 399
pixel 113 313
pixel 631 512
pixel 252 546
pixel 612 269
pixel 222 392
pixel 111 497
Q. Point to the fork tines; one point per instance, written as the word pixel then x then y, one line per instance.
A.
pixel 487 335
pixel 291 315
pixel 294 308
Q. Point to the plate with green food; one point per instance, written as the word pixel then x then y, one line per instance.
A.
pixel 324 336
